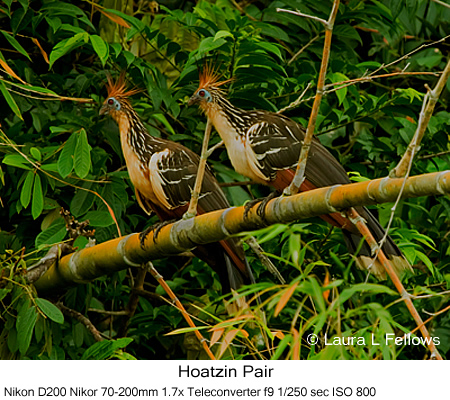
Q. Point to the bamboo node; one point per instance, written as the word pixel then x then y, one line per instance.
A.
pixel 383 183
pixel 327 199
pixel 441 185
pixel 123 253
pixel 222 222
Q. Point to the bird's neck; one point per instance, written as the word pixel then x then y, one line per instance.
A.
pixel 134 135
pixel 229 121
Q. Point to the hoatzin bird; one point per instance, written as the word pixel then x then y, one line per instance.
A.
pixel 163 173
pixel 265 147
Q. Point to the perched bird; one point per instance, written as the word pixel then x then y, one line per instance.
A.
pixel 163 174
pixel 265 147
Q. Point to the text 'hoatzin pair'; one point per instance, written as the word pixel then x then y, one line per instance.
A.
pixel 163 174
pixel 265 147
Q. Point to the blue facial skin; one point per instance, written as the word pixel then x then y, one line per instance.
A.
pixel 202 94
pixel 113 103
pixel 109 105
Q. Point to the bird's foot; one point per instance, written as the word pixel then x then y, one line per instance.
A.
pixel 155 228
pixel 261 210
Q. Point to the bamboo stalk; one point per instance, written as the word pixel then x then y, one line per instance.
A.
pixel 294 187
pixel 406 297
pixel 192 210
pixel 120 253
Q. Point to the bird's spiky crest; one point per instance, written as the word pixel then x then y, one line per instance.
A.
pixel 119 87
pixel 209 77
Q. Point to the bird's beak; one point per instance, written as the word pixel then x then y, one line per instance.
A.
pixel 103 110
pixel 193 100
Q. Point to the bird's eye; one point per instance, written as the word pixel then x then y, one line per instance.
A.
pixel 110 102
pixel 202 93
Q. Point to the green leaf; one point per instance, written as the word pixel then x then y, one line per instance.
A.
pixel 365 287
pixel 55 233
pixel 26 320
pixel 221 34
pixel 16 160
pixel 10 100
pixel 105 349
pixel 66 45
pixel 133 21
pixel 100 47
pixel 14 43
pixel 82 155
pixel 25 194
pixel 209 44
pixel 82 201
pixel 50 310
pixel 36 153
pixel 37 204
pixel 65 160
pixel 99 218
pixel 272 48
pixel 339 77
pixel 36 89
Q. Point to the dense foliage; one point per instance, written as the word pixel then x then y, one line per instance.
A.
pixel 56 151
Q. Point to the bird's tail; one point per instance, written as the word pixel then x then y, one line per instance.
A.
pixel 365 259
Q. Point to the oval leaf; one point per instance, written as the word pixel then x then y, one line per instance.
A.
pixel 14 43
pixel 65 161
pixel 99 218
pixel 37 205
pixel 82 155
pixel 26 320
pixel 10 100
pixel 54 234
pixel 16 160
pixel 50 310
pixel 100 47
pixel 25 194
pixel 65 46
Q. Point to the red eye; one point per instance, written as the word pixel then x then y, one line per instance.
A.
pixel 201 93
pixel 110 102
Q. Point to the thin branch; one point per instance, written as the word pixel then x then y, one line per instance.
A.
pixel 428 105
pixel 293 188
pixel 296 102
pixel 441 3
pixel 368 78
pixel 81 318
pixel 300 14
pixel 214 148
pixel 180 306
pixel 133 301
pixel 192 210
pixel 295 56
pixel 364 230
pixel 107 312
pixel 265 261
pixel 53 96
pixel 406 56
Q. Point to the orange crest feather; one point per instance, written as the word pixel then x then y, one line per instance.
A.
pixel 210 77
pixel 119 87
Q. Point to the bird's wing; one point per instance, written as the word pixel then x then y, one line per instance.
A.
pixel 173 172
pixel 276 144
